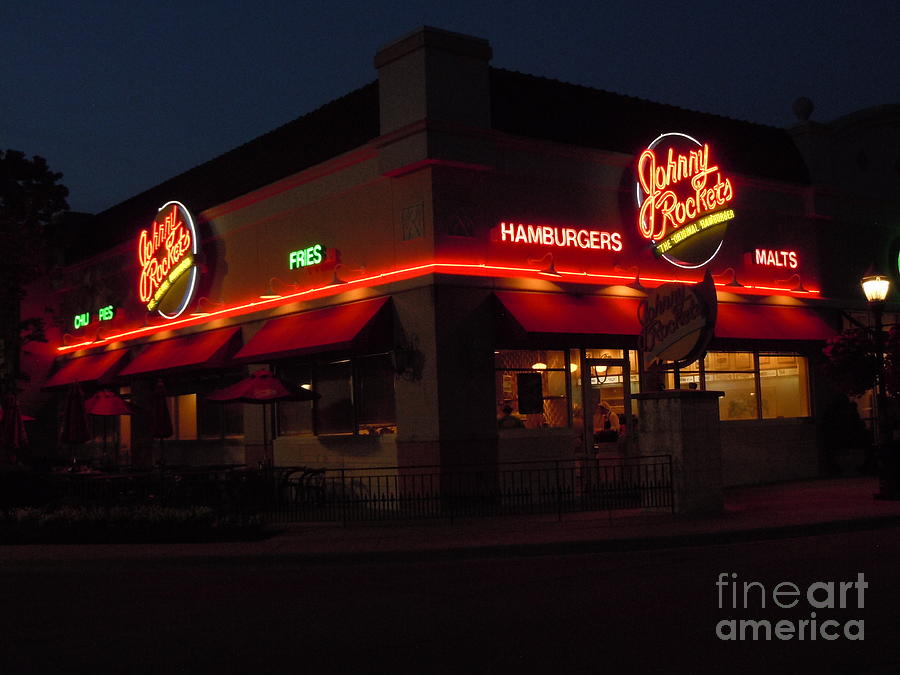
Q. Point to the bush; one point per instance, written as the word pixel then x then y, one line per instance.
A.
pixel 122 524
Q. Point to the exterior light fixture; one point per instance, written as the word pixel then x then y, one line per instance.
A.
pixel 335 279
pixel 548 269
pixel 875 287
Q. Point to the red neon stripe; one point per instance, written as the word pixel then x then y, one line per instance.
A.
pixel 394 275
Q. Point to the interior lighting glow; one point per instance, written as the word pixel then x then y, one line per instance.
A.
pixel 539 366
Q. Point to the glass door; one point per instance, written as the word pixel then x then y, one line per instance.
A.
pixel 606 387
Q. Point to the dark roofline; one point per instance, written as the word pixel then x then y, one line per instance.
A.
pixel 538 107
pixel 330 130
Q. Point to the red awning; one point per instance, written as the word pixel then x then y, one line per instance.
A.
pixel 606 315
pixel 319 330
pixel 86 368
pixel 207 348
pixel 770 322
pixel 562 313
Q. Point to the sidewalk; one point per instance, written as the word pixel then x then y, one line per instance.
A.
pixel 758 512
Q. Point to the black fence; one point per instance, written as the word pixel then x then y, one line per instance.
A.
pixel 459 492
pixel 290 494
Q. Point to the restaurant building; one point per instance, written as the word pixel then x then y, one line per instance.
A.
pixel 443 243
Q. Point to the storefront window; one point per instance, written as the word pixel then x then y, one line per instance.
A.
pixel 375 395
pixel 334 410
pixel 756 385
pixel 356 396
pixel 183 412
pixel 783 383
pixel 295 417
pixel 733 373
pixel 532 383
pixel 219 420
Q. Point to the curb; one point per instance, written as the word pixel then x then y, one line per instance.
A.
pixel 576 547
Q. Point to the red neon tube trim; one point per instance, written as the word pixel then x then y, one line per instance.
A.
pixel 399 274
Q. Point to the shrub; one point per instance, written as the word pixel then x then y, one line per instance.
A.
pixel 121 524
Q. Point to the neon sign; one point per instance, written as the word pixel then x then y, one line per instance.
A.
pixel 306 257
pixel 103 314
pixel 682 198
pixel 561 237
pixel 166 257
pixel 770 258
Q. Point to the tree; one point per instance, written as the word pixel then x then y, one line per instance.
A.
pixel 851 361
pixel 30 200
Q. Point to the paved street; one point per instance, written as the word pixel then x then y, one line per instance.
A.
pixel 651 611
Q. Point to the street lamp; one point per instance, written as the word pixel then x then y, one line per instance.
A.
pixel 876 287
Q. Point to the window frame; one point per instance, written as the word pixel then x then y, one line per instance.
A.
pixel 757 379
pixel 315 369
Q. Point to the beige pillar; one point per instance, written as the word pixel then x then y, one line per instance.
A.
pixel 684 423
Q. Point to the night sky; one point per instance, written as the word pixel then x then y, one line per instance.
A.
pixel 121 96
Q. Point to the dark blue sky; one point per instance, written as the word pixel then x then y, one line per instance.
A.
pixel 120 96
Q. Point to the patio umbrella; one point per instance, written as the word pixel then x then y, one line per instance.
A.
pixel 12 428
pixel 106 403
pixel 261 388
pixel 161 419
pixel 74 425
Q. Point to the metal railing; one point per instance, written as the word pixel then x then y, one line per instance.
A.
pixel 560 486
pixel 290 494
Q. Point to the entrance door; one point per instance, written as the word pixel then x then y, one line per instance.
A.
pixel 606 381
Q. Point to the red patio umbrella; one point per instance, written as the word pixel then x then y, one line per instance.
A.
pixel 74 424
pixel 262 387
pixel 106 403
pixel 12 428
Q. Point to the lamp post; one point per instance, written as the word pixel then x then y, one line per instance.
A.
pixel 876 287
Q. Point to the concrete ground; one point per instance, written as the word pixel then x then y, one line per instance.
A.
pixel 751 513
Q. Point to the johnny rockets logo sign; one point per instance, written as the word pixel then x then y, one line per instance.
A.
pixel 683 200
pixel 677 322
pixel 166 254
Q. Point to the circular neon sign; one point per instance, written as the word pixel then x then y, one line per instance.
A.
pixel 683 200
pixel 166 255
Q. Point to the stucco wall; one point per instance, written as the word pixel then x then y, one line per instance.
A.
pixel 336 451
pixel 765 451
